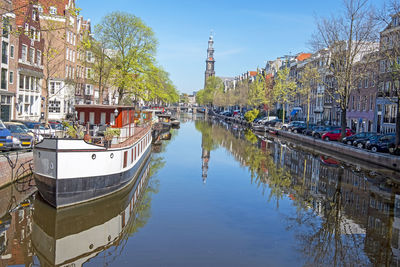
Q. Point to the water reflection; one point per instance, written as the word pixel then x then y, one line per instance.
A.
pixel 345 215
pixel 16 223
pixel 72 236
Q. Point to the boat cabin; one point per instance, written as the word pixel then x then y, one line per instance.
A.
pixel 115 116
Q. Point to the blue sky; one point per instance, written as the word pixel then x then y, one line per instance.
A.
pixel 247 33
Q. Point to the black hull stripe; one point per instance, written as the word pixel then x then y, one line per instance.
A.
pixel 66 192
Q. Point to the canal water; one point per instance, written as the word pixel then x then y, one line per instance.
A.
pixel 215 194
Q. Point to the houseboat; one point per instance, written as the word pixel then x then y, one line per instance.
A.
pixel 69 171
pixel 74 235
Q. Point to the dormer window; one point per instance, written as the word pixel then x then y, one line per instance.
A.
pixel 53 10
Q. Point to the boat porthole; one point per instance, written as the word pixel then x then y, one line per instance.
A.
pixel 111 155
pixel 51 166
pixel 94 156
pixel 91 246
pixel 109 238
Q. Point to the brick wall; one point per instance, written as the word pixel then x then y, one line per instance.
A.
pixel 22 163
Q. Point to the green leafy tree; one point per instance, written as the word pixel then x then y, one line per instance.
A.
pixel 310 78
pixel 251 115
pixel 284 89
pixel 213 85
pixel 134 46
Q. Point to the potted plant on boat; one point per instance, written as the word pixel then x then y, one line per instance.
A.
pixel 109 134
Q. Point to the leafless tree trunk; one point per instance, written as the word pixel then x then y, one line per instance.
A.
pixel 348 37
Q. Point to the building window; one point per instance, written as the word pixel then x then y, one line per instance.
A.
pixel 371 102
pixel 382 66
pixel 4 52
pixel 40 9
pixel 53 10
pixel 26 29
pixel 32 55
pixel 390 114
pixel 88 73
pixel 11 79
pixel 4 79
pixel 52 88
pixel 12 51
pixel 21 81
pixel 39 58
pixel 34 15
pixel 24 53
pixel 6 27
pixel 89 56
pixel 54 106
pixel 27 82
pixel 89 89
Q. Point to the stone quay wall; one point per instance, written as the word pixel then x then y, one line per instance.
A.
pixel 15 166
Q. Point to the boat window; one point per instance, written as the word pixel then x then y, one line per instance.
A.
pixel 125 158
pixel 132 156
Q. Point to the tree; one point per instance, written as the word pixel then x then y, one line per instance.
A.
pixel 53 29
pixel 213 85
pixel 260 92
pixel 102 59
pixel 242 91
pixel 348 36
pixel 134 46
pixel 310 78
pixel 284 88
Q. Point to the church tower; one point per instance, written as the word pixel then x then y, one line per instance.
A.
pixel 210 60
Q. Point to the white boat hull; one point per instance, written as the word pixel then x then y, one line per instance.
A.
pixel 69 172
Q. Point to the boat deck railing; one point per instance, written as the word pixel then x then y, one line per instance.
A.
pixel 135 134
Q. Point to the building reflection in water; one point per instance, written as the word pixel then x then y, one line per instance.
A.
pixel 16 223
pixel 72 236
pixel 346 215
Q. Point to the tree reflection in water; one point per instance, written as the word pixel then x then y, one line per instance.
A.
pixel 344 215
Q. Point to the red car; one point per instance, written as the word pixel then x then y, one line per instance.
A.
pixel 334 135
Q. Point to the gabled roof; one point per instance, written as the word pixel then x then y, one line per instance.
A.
pixel 253 73
pixel 21 9
pixel 61 6
pixel 303 56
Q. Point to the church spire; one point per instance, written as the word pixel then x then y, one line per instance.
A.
pixel 210 59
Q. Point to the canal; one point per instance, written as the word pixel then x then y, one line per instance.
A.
pixel 215 194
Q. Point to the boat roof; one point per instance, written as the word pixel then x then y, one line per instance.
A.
pixel 103 107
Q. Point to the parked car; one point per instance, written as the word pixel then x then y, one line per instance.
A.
pixel 310 129
pixel 25 140
pixel 364 141
pixel 381 144
pixel 356 139
pixel 301 128
pixel 6 139
pixel 319 131
pixel 39 129
pixel 273 122
pixel 334 135
pixel 288 126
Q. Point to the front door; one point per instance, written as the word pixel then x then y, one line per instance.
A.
pixel 5 112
